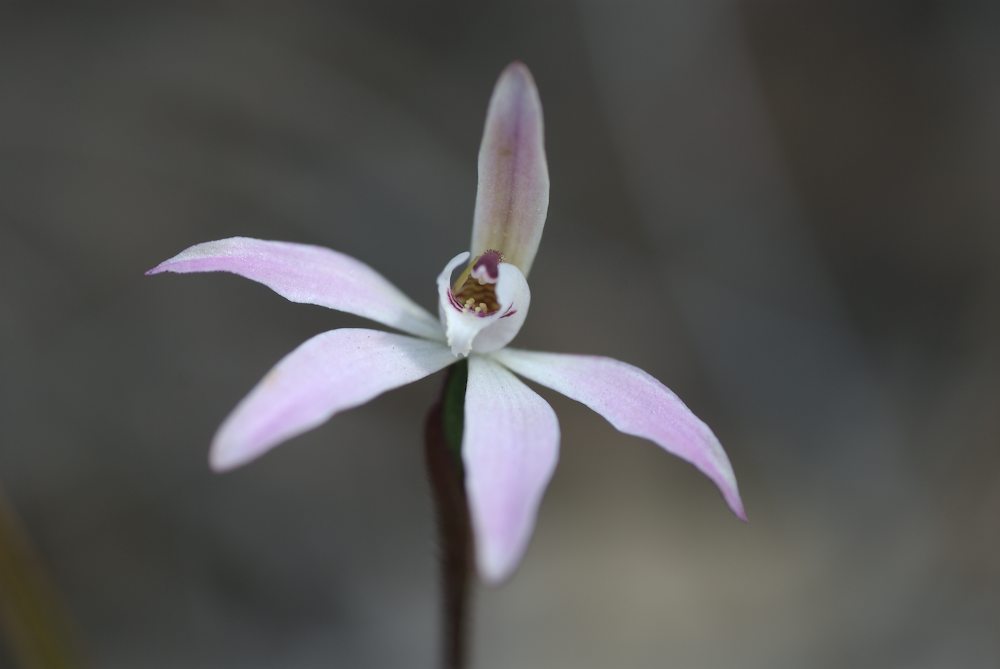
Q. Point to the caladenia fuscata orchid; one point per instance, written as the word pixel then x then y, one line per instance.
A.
pixel 510 436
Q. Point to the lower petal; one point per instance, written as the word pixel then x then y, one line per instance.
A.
pixel 635 403
pixel 510 448
pixel 331 372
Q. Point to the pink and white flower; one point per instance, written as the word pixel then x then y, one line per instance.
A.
pixel 511 436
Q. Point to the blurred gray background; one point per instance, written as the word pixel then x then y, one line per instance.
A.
pixel 787 211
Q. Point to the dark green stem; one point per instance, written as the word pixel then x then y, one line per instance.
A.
pixel 443 452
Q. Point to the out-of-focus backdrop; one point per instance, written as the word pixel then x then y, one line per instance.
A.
pixel 786 211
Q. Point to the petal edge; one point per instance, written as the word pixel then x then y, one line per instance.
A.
pixel 510 447
pixel 635 403
pixel 310 275
pixel 329 373
pixel 512 199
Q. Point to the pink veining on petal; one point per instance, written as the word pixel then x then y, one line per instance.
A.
pixel 454 300
pixel 311 275
pixel 635 403
pixel 327 374
pixel 513 195
pixel 510 447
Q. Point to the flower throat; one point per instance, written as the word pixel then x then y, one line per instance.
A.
pixel 475 288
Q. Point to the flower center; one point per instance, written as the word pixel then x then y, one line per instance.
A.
pixel 475 289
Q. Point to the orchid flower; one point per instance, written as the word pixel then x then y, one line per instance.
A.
pixel 510 438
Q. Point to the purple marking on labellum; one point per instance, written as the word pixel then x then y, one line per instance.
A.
pixel 487 267
pixel 454 301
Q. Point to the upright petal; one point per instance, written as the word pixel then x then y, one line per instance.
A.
pixel 635 403
pixel 467 330
pixel 513 195
pixel 331 372
pixel 510 448
pixel 311 275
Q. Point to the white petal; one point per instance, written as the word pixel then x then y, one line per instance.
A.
pixel 635 403
pixel 510 447
pixel 466 331
pixel 513 194
pixel 311 275
pixel 331 372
